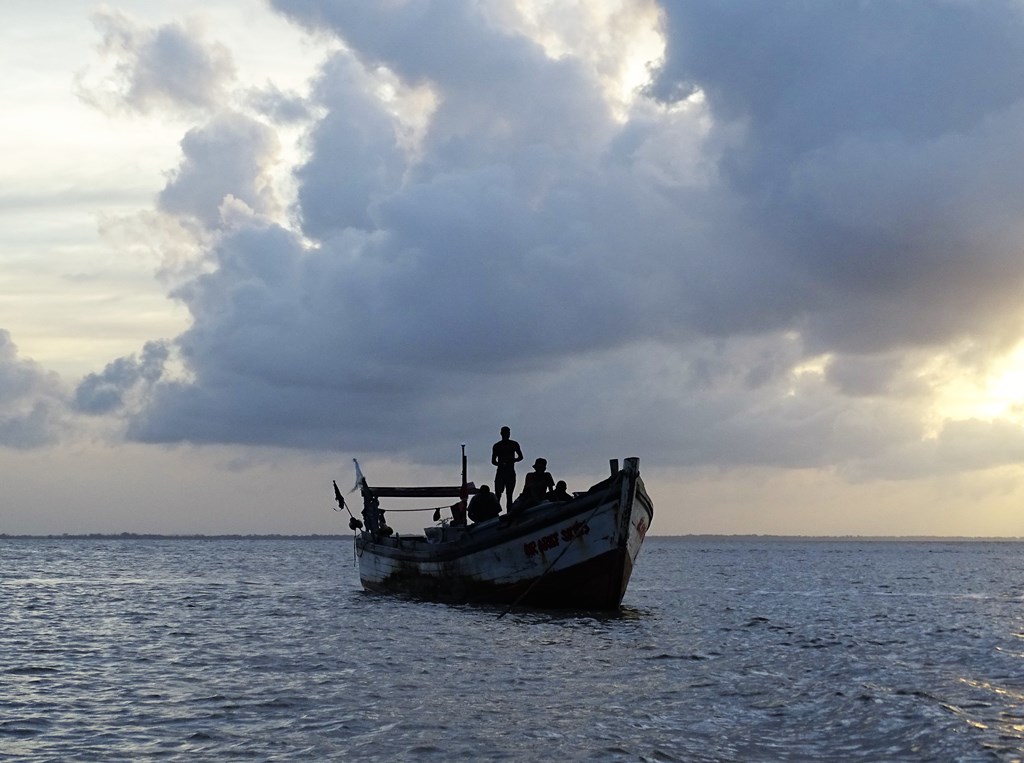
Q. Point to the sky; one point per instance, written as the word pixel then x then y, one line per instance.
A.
pixel 773 249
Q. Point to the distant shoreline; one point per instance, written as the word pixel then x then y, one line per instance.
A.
pixel 690 537
pixel 168 536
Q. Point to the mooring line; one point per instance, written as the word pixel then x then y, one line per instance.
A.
pixel 550 566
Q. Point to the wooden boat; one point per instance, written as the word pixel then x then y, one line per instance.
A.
pixel 577 554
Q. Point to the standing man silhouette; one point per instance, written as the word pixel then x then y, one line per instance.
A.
pixel 505 453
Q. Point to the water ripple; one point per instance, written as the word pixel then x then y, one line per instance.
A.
pixel 725 651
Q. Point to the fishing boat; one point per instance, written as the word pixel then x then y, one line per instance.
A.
pixel 575 554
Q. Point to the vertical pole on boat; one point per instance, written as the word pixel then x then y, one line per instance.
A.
pixel 459 509
pixel 464 493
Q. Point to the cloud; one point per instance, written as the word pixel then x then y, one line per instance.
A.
pixel 229 156
pixel 278 106
pixel 106 392
pixel 169 66
pixel 879 158
pixel 481 234
pixel 889 375
pixel 31 400
pixel 355 149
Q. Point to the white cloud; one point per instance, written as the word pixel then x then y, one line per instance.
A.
pixel 31 400
pixel 230 156
pixel 156 68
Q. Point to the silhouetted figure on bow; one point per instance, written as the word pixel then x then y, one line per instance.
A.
pixel 505 454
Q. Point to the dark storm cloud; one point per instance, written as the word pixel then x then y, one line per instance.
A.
pixel 31 400
pixel 851 185
pixel 154 68
pixel 881 156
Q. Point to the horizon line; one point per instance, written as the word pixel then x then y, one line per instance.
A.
pixel 345 536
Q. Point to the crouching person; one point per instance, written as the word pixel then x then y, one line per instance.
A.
pixel 484 505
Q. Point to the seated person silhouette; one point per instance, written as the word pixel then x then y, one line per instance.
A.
pixel 560 493
pixel 536 487
pixel 484 505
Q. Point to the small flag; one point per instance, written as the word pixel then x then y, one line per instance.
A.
pixel 359 477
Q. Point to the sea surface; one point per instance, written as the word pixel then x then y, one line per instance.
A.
pixel 725 650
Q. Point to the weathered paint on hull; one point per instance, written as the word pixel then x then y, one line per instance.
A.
pixel 597 584
pixel 576 556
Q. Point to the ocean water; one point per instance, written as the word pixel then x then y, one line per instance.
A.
pixel 726 650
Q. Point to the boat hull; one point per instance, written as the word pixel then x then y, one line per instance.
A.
pixel 574 555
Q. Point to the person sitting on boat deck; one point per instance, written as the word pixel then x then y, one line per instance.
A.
pixel 505 454
pixel 484 505
pixel 536 487
pixel 560 493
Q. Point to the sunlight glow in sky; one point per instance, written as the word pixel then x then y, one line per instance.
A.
pixel 998 393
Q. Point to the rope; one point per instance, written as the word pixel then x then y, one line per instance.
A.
pixel 432 508
pixel 355 532
pixel 550 566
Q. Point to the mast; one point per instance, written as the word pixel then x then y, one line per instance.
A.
pixel 464 493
